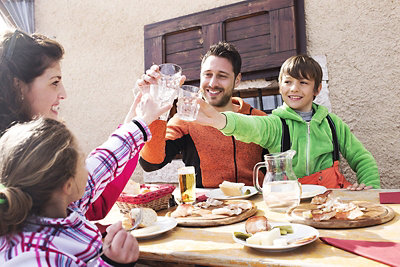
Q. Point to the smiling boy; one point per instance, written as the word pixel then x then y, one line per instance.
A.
pixel 310 126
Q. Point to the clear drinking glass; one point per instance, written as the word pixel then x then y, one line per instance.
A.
pixel 281 190
pixel 164 96
pixel 168 84
pixel 187 106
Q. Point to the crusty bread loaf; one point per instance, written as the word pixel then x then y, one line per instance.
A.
pixel 231 189
pixel 132 188
pixel 149 216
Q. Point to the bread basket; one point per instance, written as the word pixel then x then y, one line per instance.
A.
pixel 156 199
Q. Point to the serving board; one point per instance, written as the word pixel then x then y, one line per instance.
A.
pixel 204 217
pixel 373 215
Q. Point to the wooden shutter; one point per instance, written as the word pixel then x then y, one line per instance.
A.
pixel 265 32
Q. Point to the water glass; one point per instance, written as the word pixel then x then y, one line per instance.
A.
pixel 170 75
pixel 187 106
pixel 163 95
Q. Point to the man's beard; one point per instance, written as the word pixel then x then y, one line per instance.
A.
pixel 226 98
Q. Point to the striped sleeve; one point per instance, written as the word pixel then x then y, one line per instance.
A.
pixel 108 160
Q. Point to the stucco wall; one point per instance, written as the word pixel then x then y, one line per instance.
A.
pixel 104 56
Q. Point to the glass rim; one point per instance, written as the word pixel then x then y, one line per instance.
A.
pixel 177 68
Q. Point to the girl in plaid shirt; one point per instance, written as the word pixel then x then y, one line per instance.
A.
pixel 46 186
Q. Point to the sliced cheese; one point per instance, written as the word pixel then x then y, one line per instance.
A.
pixel 231 189
pixel 264 238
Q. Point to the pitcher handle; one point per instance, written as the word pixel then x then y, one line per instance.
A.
pixel 255 175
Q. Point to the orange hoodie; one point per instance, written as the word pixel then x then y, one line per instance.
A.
pixel 216 157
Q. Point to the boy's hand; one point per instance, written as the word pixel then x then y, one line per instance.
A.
pixel 124 246
pixel 210 116
pixel 358 187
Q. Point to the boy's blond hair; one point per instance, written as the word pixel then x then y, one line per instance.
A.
pixel 302 67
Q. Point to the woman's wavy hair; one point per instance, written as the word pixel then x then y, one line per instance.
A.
pixel 23 57
pixel 36 158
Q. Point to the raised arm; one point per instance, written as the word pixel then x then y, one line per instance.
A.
pixel 108 160
pixel 209 116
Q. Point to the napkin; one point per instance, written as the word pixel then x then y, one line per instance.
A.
pixel 389 197
pixel 385 252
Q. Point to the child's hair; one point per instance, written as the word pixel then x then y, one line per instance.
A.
pixel 36 158
pixel 228 51
pixel 24 57
pixel 302 67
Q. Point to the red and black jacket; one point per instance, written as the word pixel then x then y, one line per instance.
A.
pixel 216 157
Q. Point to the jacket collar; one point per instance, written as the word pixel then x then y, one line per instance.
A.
pixel 285 112
pixel 244 108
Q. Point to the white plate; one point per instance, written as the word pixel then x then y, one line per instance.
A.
pixel 162 225
pixel 300 232
pixel 217 193
pixel 311 190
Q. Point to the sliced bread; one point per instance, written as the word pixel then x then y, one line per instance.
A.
pixel 149 216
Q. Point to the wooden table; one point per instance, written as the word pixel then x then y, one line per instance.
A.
pixel 214 246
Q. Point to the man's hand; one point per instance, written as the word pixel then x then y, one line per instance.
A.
pixel 358 187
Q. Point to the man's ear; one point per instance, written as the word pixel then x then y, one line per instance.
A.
pixel 318 90
pixel 238 79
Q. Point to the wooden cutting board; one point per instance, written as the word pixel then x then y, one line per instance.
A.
pixel 204 217
pixel 373 215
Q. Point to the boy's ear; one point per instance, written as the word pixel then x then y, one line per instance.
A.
pixel 238 79
pixel 318 90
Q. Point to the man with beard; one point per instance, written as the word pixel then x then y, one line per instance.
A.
pixel 216 157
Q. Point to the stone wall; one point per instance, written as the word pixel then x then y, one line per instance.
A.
pixel 104 56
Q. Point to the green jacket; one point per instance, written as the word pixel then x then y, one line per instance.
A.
pixel 312 140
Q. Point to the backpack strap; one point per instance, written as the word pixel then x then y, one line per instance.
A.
pixel 334 139
pixel 285 143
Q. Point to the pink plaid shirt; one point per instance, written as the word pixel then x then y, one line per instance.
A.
pixel 73 240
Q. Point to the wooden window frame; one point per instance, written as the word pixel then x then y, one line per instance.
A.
pixel 283 14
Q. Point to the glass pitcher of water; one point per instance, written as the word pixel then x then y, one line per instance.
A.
pixel 281 190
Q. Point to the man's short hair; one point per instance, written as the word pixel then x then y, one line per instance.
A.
pixel 302 67
pixel 228 51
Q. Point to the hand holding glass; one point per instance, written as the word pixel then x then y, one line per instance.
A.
pixel 168 84
pixel 187 106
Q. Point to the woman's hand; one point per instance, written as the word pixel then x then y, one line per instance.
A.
pixel 152 76
pixel 209 116
pixel 124 247
pixel 358 187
